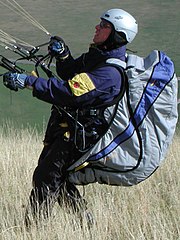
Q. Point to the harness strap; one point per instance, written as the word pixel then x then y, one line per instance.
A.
pixel 117 62
pixel 94 112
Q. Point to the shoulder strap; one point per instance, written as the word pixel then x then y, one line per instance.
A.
pixel 120 66
pixel 117 62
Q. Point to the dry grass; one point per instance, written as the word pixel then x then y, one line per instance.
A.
pixel 149 210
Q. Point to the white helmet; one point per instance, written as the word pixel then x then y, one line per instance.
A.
pixel 122 22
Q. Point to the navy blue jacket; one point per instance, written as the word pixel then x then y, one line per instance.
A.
pixel 85 81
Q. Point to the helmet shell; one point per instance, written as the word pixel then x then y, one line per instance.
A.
pixel 122 22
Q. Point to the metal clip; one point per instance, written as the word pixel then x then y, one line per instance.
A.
pixel 93 112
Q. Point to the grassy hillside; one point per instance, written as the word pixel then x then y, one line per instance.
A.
pixel 22 109
pixel 75 21
pixel 149 210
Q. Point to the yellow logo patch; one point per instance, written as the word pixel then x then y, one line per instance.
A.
pixel 81 84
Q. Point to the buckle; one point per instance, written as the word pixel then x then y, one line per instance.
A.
pixel 93 112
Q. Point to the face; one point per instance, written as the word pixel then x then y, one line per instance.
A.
pixel 103 30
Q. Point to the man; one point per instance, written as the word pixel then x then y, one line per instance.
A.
pixel 87 87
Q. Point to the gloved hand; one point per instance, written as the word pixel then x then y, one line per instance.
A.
pixel 58 49
pixel 14 81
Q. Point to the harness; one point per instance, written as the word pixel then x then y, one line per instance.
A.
pixel 99 110
pixel 86 134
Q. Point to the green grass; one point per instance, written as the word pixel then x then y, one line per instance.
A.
pixel 21 108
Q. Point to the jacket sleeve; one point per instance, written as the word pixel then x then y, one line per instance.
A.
pixel 84 89
pixel 69 67
pixel 53 91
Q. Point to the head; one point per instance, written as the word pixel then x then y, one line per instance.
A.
pixel 117 28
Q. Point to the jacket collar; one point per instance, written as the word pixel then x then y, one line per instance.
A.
pixel 96 56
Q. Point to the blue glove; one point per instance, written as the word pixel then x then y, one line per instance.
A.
pixel 14 81
pixel 58 49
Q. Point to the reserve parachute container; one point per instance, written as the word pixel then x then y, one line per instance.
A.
pixel 144 123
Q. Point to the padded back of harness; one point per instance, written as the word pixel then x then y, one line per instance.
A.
pixel 142 130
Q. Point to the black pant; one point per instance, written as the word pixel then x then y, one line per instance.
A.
pixel 50 180
pixel 50 177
